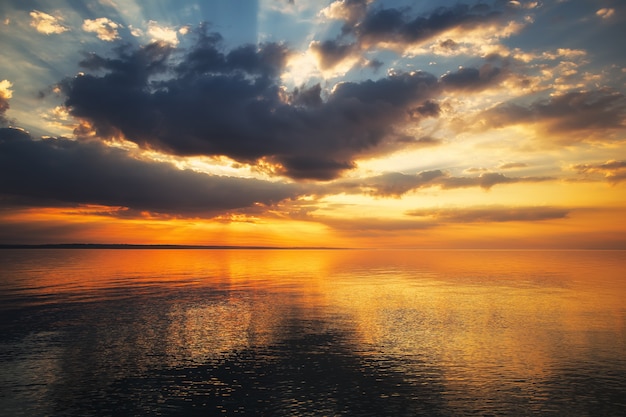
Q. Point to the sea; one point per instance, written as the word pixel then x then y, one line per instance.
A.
pixel 302 332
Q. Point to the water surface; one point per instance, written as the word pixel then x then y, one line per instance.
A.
pixel 312 332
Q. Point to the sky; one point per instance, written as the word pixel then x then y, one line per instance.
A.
pixel 348 123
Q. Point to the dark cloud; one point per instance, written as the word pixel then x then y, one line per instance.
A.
pixel 396 184
pixel 369 25
pixel 390 25
pixel 606 166
pixel 206 102
pixel 493 214
pixel 613 171
pixel 449 44
pixel 331 52
pixel 207 57
pixel 62 171
pixel 396 91
pixel 473 78
pixel 569 112
pixel 381 24
pixel 374 64
pixel 308 97
pixel 488 180
pixel 428 108
pixel 318 167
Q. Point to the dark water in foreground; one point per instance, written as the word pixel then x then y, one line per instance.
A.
pixel 312 333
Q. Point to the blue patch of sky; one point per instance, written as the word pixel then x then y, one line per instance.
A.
pixel 574 25
pixel 297 30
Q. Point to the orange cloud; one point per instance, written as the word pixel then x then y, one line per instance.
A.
pixel 47 24
pixel 103 27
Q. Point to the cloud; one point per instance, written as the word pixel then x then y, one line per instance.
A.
pixel 206 100
pixel 423 219
pixel 562 53
pixel 350 11
pixel 73 172
pixel 459 29
pixel 5 94
pixel 614 171
pixel 473 170
pixel 513 165
pixel 491 214
pixel 605 13
pixel 47 24
pixel 136 32
pixel 5 89
pixel 307 97
pixel 374 64
pixel 428 108
pixel 466 79
pixel 488 180
pixel 160 33
pixel 331 53
pixel 396 184
pixel 390 26
pixel 103 27
pixel 209 101
pixel 569 113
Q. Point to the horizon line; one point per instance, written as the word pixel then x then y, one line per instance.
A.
pixel 255 247
pixel 151 246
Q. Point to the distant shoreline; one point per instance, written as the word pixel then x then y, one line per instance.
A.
pixel 140 246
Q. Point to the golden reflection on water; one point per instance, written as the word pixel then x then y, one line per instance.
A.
pixel 479 316
pixel 485 315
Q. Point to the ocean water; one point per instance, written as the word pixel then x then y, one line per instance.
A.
pixel 312 333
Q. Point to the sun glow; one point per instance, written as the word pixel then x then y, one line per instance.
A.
pixel 300 69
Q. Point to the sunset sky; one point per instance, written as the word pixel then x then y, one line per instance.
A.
pixel 350 123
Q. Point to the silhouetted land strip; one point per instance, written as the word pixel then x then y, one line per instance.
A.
pixel 133 246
